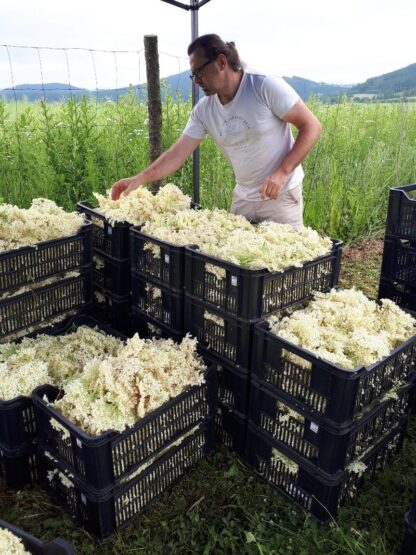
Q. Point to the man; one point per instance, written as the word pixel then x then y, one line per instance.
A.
pixel 248 115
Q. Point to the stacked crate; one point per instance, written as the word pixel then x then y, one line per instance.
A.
pixel 38 547
pixel 157 285
pixel 315 429
pixel 398 270
pixel 223 303
pixel 48 296
pixel 409 540
pixel 104 481
pixel 111 274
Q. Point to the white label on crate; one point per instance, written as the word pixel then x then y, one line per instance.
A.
pixel 79 443
pixel 234 281
pixel 110 230
pixel 314 427
pixel 83 499
pixel 167 258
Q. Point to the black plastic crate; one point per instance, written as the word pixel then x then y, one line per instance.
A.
pixel 18 467
pixel 401 294
pixel 231 429
pixel 312 439
pixel 324 389
pixel 233 387
pixel 318 492
pixel 399 262
pixel 111 274
pixel 401 214
pixel 251 294
pixel 412 512
pixel 112 309
pixel 159 303
pixel 219 334
pixel 111 239
pixel 22 313
pixel 38 547
pixel 166 266
pixel 409 540
pixel 103 461
pixel 146 326
pixel 17 423
pixel 103 514
pixel 28 265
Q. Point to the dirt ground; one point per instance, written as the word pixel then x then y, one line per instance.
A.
pixel 361 265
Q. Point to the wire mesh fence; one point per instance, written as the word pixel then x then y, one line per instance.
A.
pixel 74 120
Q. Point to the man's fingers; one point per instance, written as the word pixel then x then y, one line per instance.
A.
pixel 116 190
pixel 128 190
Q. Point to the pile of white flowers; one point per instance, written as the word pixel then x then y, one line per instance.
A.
pixel 234 239
pixel 116 391
pixel 11 544
pixel 108 383
pixel 43 221
pixel 141 205
pixel 48 359
pixel 346 328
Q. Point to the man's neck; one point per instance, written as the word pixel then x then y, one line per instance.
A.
pixel 231 87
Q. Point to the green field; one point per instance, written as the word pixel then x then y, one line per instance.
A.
pixel 65 151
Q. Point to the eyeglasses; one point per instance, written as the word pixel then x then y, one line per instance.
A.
pixel 197 73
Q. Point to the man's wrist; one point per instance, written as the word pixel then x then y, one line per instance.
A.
pixel 284 170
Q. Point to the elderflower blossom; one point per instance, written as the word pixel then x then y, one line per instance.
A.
pixel 234 239
pixel 43 221
pixel 11 544
pixel 346 328
pixel 48 359
pixel 114 393
pixel 141 205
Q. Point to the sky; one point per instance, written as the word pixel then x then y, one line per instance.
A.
pixel 99 44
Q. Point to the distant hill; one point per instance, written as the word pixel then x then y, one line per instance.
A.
pixel 306 88
pixel 401 82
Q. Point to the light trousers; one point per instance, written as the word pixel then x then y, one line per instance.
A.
pixel 286 209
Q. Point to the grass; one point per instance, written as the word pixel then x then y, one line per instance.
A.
pixel 65 151
pixel 221 507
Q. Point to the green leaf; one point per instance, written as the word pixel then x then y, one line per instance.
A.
pixel 250 538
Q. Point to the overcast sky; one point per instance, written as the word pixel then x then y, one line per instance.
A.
pixel 324 40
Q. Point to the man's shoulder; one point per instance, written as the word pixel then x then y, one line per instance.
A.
pixel 267 84
pixel 204 103
pixel 261 81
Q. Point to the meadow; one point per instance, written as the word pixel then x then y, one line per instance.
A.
pixel 65 151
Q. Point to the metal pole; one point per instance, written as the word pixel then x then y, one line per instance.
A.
pixel 195 98
pixel 193 7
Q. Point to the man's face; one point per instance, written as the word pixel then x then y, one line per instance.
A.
pixel 204 71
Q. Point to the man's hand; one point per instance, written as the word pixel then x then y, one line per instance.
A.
pixel 124 187
pixel 273 185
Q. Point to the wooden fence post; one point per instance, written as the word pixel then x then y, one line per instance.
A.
pixel 154 104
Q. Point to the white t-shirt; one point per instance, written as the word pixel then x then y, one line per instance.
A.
pixel 249 130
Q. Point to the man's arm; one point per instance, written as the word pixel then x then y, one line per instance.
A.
pixel 309 130
pixel 166 164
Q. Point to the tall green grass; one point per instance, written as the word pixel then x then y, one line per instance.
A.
pixel 65 151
